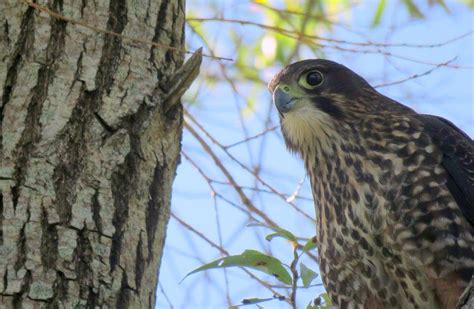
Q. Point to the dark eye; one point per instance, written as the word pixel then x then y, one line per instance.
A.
pixel 311 79
pixel 314 78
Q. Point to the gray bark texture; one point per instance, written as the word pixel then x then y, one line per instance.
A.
pixel 88 153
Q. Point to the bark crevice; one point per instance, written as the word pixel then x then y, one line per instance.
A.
pixel 60 290
pixel 123 299
pixel 49 242
pixel 21 244
pixel 96 211
pixel 32 131
pixel 23 46
pixel 25 287
pixel 121 190
pixel 153 208
pixel 1 218
pixel 83 259
pixel 75 133
pixel 159 29
pixel 139 264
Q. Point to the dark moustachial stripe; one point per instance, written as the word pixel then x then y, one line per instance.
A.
pixel 327 105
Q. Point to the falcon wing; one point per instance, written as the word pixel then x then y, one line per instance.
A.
pixel 458 160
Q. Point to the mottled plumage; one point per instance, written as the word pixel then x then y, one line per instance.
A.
pixel 393 189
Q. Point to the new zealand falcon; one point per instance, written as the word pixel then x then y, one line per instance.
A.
pixel 393 189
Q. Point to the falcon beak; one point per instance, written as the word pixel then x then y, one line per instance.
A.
pixel 283 101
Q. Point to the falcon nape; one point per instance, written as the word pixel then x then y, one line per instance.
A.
pixel 393 189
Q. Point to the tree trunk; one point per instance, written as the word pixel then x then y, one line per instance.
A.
pixel 88 154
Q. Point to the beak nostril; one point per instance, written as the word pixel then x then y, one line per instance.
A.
pixel 283 100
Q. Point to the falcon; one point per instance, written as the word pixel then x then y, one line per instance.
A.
pixel 393 189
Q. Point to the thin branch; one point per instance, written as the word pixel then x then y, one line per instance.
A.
pixel 251 137
pixel 165 295
pixel 294 272
pixel 246 168
pixel 418 75
pixel 330 40
pixel 245 200
pixel 213 191
pixel 295 194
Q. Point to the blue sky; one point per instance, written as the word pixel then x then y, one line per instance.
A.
pixel 447 92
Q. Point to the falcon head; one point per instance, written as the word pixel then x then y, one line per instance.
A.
pixel 315 98
pixel 312 83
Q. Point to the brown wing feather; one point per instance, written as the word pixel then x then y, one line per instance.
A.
pixel 458 160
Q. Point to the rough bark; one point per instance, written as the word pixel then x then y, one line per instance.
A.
pixel 87 153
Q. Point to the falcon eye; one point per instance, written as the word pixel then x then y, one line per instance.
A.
pixel 311 79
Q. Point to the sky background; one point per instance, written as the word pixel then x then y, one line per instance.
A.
pixel 446 92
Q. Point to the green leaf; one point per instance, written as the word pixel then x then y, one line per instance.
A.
pixel 252 301
pixel 269 237
pixel 252 259
pixel 310 244
pixel 327 301
pixel 379 12
pixel 413 9
pixel 443 5
pixel 307 275
pixel 318 302
pixel 279 232
pixel 285 45
pixel 469 3
pixel 310 305
pixel 256 301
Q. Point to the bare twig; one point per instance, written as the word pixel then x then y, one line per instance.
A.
pixel 251 137
pixel 418 75
pixel 264 183
pixel 165 295
pixel 294 272
pixel 245 200
pixel 298 35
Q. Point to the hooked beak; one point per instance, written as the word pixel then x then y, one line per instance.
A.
pixel 283 101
